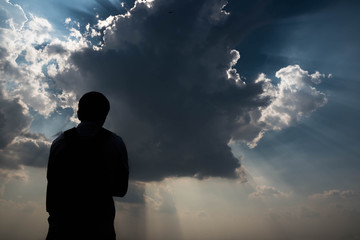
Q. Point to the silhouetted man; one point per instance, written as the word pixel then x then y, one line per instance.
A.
pixel 87 166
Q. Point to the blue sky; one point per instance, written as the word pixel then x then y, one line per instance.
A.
pixel 240 117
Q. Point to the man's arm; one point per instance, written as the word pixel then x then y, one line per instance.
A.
pixel 120 171
pixel 52 175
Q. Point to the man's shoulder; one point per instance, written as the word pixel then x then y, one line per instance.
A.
pixel 113 138
pixel 112 135
pixel 58 142
pixel 61 136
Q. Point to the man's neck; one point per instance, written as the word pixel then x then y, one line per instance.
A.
pixel 88 128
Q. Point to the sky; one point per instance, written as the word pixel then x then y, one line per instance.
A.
pixel 240 117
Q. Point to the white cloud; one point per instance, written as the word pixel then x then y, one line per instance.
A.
pixel 316 77
pixel 52 70
pixel 334 193
pixel 267 192
pixel 30 49
pixel 39 25
pixel 232 72
pixel 148 3
pixel 108 22
pixel 292 99
pixel 75 33
pixel 94 33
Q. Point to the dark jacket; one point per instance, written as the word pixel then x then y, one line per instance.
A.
pixel 87 166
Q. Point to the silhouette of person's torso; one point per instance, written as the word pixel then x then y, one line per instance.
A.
pixel 81 182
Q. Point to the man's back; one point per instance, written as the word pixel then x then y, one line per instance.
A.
pixel 87 166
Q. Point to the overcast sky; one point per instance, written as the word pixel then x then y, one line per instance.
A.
pixel 240 117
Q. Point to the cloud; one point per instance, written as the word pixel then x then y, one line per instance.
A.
pixel 161 200
pixel 11 110
pixel 177 97
pixel 135 193
pixel 175 107
pixel 21 89
pixel 12 15
pixel 232 72
pixel 267 192
pixel 31 55
pixel 291 99
pixel 334 193
pixel 27 151
pixel 17 146
pixel 294 97
pixel 6 175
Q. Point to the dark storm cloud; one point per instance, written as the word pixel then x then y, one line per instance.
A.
pixel 12 120
pixel 171 99
pixel 166 77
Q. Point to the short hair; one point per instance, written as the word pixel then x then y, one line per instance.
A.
pixel 93 106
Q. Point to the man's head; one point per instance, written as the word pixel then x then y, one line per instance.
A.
pixel 94 107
